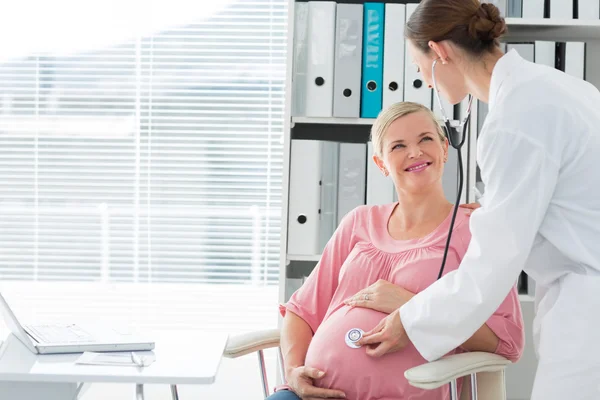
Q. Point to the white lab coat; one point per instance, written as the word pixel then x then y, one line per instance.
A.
pixel 539 154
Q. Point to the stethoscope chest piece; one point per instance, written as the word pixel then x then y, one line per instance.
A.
pixel 353 336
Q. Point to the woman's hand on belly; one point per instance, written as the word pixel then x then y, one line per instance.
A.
pixel 381 296
pixel 301 380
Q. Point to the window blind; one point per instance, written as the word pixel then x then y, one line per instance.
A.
pixel 157 159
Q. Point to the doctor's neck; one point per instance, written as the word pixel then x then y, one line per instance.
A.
pixel 478 74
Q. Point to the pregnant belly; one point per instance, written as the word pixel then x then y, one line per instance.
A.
pixel 360 376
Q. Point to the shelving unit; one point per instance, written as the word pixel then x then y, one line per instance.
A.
pixel 357 130
pixel 557 30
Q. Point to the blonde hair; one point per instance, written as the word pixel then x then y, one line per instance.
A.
pixel 391 114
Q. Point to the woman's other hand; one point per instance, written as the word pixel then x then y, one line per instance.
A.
pixel 301 381
pixel 381 296
pixel 471 207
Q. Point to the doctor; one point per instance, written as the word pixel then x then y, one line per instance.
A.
pixel 539 154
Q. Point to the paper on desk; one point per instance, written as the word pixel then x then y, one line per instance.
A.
pixel 115 358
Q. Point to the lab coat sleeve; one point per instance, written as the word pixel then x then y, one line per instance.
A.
pixel 507 325
pixel 519 177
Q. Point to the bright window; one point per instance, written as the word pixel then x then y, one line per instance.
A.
pixel 141 161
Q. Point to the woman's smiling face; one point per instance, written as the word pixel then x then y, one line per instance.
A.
pixel 414 153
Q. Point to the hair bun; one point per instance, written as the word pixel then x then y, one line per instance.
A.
pixel 487 24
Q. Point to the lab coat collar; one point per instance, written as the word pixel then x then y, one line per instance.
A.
pixel 504 66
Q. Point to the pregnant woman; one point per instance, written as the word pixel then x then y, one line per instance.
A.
pixel 378 258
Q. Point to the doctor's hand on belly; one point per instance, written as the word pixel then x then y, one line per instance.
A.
pixel 381 296
pixel 387 337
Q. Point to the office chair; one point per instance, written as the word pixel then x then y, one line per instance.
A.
pixel 485 370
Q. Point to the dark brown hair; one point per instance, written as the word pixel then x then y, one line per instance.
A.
pixel 473 26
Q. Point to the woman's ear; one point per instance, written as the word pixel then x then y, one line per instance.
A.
pixel 381 165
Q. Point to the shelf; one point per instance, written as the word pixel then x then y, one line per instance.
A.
pixel 349 130
pixel 559 30
pixel 333 120
pixel 300 266
pixel 346 130
pixel 292 257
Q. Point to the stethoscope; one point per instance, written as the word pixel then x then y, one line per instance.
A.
pixel 456 141
pixel 453 133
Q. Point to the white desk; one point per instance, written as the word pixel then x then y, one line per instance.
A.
pixel 181 358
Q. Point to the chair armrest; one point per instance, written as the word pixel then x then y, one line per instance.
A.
pixel 246 343
pixel 441 372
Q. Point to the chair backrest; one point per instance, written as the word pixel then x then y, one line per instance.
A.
pixel 490 386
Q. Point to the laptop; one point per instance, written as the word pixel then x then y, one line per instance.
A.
pixel 71 338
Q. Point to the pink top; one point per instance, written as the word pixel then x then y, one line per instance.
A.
pixel 360 252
